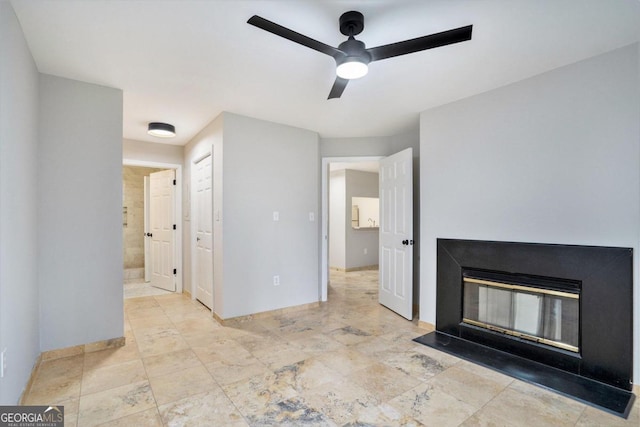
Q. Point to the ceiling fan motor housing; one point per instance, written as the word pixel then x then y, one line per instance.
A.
pixel 351 23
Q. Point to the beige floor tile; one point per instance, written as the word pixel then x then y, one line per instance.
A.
pixel 227 371
pixel 307 374
pixel 291 412
pixel 417 365
pixel 318 344
pixel 199 324
pixel 225 350
pixel 138 313
pixel 56 381
pixel 466 386
pixel 161 320
pixel 148 418
pixel 108 405
pixel 167 363
pixel 432 407
pixel 180 384
pixel 206 409
pixel 521 403
pixel 346 361
pixel 132 304
pixel 162 343
pixel 110 376
pixel 254 395
pixel 383 381
pixel 279 355
pixel 257 341
pixel 350 335
pixel 342 401
pixel 112 356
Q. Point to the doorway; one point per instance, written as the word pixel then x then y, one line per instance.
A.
pixel 354 218
pixel 396 238
pixel 337 162
pixel 137 235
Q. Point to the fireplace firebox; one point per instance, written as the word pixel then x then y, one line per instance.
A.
pixel 559 316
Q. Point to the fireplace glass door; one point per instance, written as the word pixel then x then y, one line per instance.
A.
pixel 546 316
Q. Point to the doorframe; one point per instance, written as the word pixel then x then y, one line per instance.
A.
pixel 177 210
pixel 324 237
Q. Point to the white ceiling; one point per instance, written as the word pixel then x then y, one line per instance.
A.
pixel 184 62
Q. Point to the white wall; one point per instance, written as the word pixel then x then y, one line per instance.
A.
pixel 269 167
pixel 360 184
pixel 553 159
pixel 79 213
pixel 19 332
pixel 337 220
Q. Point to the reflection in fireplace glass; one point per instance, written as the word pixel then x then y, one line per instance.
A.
pixel 546 316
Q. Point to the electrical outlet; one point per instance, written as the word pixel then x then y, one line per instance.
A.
pixel 312 216
pixel 3 363
pixel 276 280
pixel 276 216
pixel 366 250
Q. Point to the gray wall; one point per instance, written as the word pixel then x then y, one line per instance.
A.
pixel 269 167
pixel 79 213
pixel 554 159
pixel 360 184
pixel 19 332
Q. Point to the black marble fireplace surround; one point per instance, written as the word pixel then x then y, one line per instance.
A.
pixel 601 372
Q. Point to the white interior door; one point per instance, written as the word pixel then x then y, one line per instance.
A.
pixel 161 214
pixel 396 233
pixel 147 232
pixel 204 232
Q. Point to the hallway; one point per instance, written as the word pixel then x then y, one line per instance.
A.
pixel 347 362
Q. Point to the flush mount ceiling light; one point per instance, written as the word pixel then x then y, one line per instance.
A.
pixel 161 130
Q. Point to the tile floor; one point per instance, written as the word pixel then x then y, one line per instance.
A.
pixel 134 288
pixel 349 362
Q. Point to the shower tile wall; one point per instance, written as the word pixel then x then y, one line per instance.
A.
pixel 133 219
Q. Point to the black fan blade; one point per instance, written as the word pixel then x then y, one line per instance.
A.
pixel 288 34
pixel 338 87
pixel 444 38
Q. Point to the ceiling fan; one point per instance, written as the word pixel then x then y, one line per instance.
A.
pixel 351 56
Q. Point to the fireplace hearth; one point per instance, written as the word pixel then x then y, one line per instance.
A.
pixel 559 316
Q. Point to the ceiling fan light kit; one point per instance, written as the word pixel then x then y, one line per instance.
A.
pixel 351 56
pixel 161 130
pixel 352 68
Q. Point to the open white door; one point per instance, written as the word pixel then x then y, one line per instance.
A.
pixel 396 233
pixel 161 214
pixel 147 232
pixel 204 232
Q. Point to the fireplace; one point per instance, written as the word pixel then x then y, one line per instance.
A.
pixel 545 311
pixel 559 316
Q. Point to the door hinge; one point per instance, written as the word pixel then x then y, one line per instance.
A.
pixel 175 271
pixel 174 227
pixel 174 182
